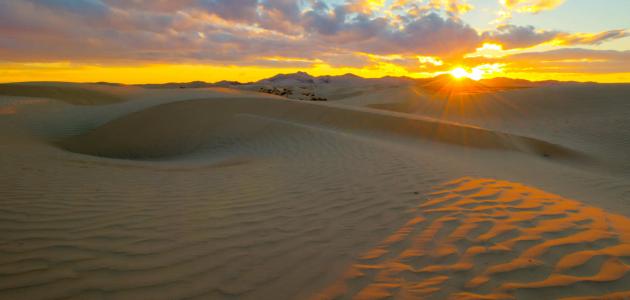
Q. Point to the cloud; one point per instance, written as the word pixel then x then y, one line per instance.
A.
pixel 365 7
pixel 574 54
pixel 590 38
pixel 324 20
pixel 524 6
pixel 391 34
pixel 530 6
pixel 150 5
pixel 577 60
pixel 429 35
pixel 568 60
pixel 454 7
pixel 513 36
pixel 280 15
pixel 241 10
pixel 84 7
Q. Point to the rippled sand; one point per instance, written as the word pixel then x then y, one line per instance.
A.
pixel 491 239
pixel 115 192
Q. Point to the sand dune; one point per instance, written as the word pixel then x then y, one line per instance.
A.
pixel 78 95
pixel 489 239
pixel 229 194
pixel 589 118
pixel 183 127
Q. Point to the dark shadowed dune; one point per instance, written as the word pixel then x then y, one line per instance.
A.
pixel 184 127
pixel 72 95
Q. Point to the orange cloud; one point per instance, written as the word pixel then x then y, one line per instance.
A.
pixel 514 36
pixel 531 6
pixel 452 7
pixel 365 6
pixel 455 7
pixel 590 38
pixel 524 6
pixel 561 64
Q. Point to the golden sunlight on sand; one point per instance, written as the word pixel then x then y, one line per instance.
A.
pixel 490 239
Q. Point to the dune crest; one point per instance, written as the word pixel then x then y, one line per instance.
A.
pixel 489 239
pixel 186 126
pixel 69 94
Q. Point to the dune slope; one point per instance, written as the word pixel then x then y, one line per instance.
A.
pixel 72 95
pixel 183 127
pixel 590 118
pixel 487 239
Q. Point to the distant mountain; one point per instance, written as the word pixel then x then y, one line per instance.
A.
pixel 507 82
pixel 447 84
pixel 346 78
pixel 289 79
pixel 190 85
pixel 226 83
pixel 444 82
pixel 108 83
pixel 349 79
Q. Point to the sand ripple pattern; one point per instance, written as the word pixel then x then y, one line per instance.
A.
pixel 280 221
pixel 489 239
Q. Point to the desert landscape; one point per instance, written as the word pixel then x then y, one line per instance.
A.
pixel 314 149
pixel 128 192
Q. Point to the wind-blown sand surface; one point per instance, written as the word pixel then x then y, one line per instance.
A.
pixel 489 239
pixel 118 192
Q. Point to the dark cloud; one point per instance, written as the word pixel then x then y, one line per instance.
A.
pixel 212 30
pixel 433 35
pixel 325 21
pixel 83 7
pixel 428 34
pixel 513 36
pixel 280 15
pixel 169 6
pixel 239 10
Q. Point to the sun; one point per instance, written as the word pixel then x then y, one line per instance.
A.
pixel 459 73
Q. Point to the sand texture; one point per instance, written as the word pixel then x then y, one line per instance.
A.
pixel 124 192
pixel 488 239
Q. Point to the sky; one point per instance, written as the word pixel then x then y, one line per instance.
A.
pixel 154 41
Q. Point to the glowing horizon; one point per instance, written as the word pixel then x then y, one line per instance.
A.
pixel 180 41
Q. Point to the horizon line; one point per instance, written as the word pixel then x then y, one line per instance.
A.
pixel 310 75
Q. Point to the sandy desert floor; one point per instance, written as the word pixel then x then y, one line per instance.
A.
pixel 119 192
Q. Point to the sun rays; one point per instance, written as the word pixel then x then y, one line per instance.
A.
pixel 477 73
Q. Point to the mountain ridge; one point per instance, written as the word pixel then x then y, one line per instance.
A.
pixel 304 78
